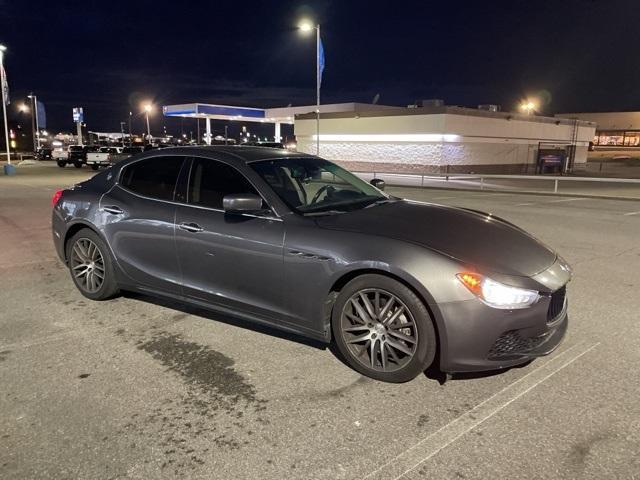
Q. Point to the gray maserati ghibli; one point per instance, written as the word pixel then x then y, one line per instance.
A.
pixel 300 244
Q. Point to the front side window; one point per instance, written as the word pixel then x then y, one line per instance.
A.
pixel 154 177
pixel 312 185
pixel 210 181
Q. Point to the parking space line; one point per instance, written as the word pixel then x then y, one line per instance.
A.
pixel 567 200
pixel 426 448
pixel 523 204
pixel 631 213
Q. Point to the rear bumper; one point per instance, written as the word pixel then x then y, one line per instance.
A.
pixel 480 338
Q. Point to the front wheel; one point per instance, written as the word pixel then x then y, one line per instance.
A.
pixel 77 164
pixel 61 163
pixel 91 266
pixel 94 166
pixel 382 329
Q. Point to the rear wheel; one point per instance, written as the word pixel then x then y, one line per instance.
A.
pixel 61 163
pixel 91 266
pixel 382 329
pixel 77 164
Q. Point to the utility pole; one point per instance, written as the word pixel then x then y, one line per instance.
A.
pixel 34 127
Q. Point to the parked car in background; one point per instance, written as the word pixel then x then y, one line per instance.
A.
pixel 263 144
pixel 43 153
pixel 105 157
pixel 77 155
pixel 132 150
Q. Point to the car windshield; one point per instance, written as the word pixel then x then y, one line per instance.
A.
pixel 316 186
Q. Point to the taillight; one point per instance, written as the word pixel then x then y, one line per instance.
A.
pixel 56 198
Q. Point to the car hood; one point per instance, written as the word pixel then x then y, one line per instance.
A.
pixel 474 238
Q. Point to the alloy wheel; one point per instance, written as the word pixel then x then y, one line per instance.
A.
pixel 379 330
pixel 87 265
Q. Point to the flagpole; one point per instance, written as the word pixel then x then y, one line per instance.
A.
pixel 3 82
pixel 318 89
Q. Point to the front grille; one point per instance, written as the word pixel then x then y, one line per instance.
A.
pixel 512 343
pixel 556 304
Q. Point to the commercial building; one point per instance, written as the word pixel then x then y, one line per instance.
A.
pixel 613 129
pixel 447 139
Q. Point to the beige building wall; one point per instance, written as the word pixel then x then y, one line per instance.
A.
pixel 438 142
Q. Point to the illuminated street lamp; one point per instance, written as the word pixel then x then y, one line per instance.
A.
pixel 528 107
pixel 306 27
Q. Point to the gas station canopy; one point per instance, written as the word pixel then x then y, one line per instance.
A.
pixel 228 113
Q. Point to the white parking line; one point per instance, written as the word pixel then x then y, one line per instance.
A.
pixel 523 204
pixel 567 200
pixel 425 449
pixel 631 213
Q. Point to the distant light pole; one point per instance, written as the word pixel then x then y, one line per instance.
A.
pixel 122 133
pixel 35 127
pixel 148 108
pixel 306 27
pixel 3 83
pixel 130 115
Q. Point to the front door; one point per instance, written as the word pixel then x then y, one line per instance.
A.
pixel 228 260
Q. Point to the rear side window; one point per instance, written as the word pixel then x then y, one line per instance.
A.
pixel 211 180
pixel 154 177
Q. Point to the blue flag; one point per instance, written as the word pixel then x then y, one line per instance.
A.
pixel 320 61
pixel 42 115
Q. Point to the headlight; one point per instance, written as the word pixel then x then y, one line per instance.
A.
pixel 496 294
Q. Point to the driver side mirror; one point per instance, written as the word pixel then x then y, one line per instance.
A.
pixel 242 203
pixel 378 183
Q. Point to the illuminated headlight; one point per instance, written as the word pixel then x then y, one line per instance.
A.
pixel 496 294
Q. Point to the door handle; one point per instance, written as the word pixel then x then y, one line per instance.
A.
pixel 113 209
pixel 191 227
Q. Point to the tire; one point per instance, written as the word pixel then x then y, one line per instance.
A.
pixel 61 163
pixel 399 353
pixel 77 164
pixel 87 252
pixel 95 166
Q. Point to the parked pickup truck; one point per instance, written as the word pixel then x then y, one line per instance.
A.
pixel 60 154
pixel 105 157
pixel 76 155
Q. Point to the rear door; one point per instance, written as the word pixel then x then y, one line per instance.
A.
pixel 234 261
pixel 139 222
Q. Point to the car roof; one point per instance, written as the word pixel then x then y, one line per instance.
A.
pixel 232 153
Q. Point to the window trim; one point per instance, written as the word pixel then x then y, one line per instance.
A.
pixel 188 184
pixel 175 186
pixel 190 159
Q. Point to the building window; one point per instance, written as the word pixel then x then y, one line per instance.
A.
pixel 631 139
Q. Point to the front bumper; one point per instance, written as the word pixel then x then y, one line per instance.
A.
pixel 478 337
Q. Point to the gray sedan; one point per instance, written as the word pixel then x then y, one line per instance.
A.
pixel 298 243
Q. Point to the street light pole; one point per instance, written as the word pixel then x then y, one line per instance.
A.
pixel 307 26
pixel 31 97
pixel 130 115
pixel 318 89
pixel 3 82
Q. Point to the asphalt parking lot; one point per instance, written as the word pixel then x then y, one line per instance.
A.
pixel 141 388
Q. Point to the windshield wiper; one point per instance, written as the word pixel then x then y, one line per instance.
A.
pixel 382 201
pixel 323 212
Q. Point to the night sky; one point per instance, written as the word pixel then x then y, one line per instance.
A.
pixel 108 57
